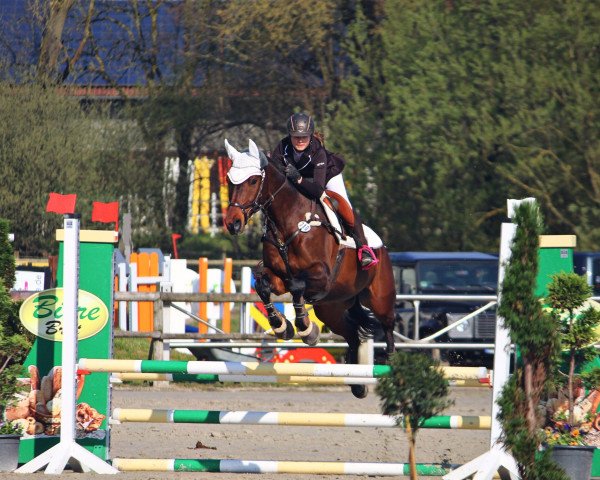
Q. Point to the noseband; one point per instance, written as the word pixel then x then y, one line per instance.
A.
pixel 250 208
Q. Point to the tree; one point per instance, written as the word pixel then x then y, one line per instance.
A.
pixel 415 390
pixel 451 109
pixel 187 71
pixel 7 258
pixel 555 154
pixel 50 145
pixel 15 342
pixel 567 294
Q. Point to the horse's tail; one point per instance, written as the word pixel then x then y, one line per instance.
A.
pixel 362 320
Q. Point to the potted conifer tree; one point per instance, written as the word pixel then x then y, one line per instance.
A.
pixel 533 331
pixel 539 334
pixel 14 346
pixel 415 390
pixel 567 297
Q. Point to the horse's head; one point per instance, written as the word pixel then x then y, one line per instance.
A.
pixel 247 176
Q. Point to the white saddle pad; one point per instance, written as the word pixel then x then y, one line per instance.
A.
pixel 373 240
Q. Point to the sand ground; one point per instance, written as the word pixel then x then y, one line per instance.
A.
pixel 264 442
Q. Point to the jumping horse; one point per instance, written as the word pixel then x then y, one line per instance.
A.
pixel 301 255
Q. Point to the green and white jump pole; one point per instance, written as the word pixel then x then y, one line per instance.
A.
pixel 257 368
pixel 312 419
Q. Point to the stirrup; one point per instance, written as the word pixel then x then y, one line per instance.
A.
pixel 367 257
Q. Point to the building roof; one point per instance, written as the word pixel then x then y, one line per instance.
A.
pixel 117 52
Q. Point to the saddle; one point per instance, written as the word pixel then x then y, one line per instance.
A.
pixel 341 217
pixel 340 206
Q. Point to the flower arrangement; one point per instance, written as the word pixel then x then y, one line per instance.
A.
pixel 584 429
pixel 562 433
pixel 571 415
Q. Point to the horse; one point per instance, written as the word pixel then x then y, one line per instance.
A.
pixel 302 256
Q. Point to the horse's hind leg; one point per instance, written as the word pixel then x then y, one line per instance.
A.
pixel 380 298
pixel 282 327
pixel 307 330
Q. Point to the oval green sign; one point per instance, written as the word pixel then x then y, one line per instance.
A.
pixel 42 314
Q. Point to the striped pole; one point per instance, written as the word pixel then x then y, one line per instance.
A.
pixel 233 368
pixel 185 377
pixel 292 418
pixel 263 466
pixel 257 368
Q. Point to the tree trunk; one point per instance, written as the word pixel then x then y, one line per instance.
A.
pixel 412 443
pixel 570 384
pixel 182 191
pixel 52 40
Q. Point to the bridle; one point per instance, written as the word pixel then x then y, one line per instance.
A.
pixel 280 243
pixel 250 208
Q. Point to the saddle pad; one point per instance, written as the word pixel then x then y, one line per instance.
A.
pixel 373 240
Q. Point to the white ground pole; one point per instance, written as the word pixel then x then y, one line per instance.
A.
pixel 485 466
pixel 68 451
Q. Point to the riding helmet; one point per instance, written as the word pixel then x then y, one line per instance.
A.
pixel 300 125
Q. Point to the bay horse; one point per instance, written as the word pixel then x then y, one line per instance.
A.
pixel 302 256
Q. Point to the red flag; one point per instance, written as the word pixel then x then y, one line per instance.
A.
pixel 106 213
pixel 174 238
pixel 58 203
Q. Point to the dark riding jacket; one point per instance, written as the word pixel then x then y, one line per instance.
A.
pixel 316 165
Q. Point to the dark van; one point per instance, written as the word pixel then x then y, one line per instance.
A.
pixel 447 273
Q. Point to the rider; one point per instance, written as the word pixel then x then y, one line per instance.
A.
pixel 311 170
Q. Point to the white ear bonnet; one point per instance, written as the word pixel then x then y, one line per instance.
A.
pixel 245 164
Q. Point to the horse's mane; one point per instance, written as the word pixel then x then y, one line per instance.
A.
pixel 277 165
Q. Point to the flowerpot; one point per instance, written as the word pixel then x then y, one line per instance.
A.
pixel 575 460
pixel 9 452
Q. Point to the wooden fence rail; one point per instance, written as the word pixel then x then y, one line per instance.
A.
pixel 194 297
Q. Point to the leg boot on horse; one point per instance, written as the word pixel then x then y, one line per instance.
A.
pixel 281 326
pixel 307 330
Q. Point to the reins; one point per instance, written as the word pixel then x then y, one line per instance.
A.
pixel 254 206
pixel 304 226
pixel 271 233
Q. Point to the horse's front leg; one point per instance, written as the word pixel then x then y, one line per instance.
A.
pixel 281 326
pixel 307 330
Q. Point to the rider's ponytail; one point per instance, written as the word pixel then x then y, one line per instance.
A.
pixel 320 137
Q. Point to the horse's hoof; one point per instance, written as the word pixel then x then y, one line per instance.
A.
pixel 310 336
pixel 289 331
pixel 286 330
pixel 359 391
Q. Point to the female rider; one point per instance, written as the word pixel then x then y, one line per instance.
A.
pixel 311 170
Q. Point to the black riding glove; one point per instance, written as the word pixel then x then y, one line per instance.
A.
pixel 292 173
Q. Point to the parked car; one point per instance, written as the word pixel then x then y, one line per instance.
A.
pixel 447 273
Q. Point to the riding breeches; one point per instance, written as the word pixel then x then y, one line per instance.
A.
pixel 336 184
